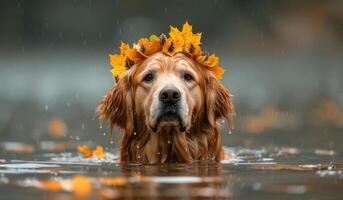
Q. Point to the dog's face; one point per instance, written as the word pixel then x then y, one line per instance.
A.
pixel 168 108
pixel 168 92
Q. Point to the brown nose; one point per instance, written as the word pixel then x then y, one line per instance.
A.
pixel 170 95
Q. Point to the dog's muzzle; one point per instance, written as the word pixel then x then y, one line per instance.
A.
pixel 169 98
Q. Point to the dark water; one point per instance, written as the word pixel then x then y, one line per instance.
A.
pixel 55 170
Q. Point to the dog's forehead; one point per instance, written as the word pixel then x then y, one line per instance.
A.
pixel 163 62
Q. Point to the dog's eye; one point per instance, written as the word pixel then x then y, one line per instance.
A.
pixel 148 78
pixel 188 77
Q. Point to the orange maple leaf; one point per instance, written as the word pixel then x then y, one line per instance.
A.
pixel 85 150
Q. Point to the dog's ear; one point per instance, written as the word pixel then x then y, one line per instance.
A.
pixel 116 106
pixel 218 102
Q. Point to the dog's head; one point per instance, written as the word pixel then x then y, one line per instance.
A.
pixel 164 94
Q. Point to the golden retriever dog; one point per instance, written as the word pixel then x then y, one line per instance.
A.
pixel 167 110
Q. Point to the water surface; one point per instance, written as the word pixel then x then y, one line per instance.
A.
pixel 42 171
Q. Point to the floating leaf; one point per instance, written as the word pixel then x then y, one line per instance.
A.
pixel 81 186
pixel 85 150
pixel 99 152
pixel 53 185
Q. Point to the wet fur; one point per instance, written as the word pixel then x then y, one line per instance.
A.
pixel 139 144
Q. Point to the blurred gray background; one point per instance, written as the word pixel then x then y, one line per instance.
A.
pixel 283 61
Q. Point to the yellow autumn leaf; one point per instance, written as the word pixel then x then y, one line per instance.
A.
pixel 188 35
pixel 123 48
pixel 99 152
pixel 191 41
pixel 187 31
pixel 148 47
pixel 177 38
pixel 116 59
pixel 195 39
pixel 217 71
pixel 130 53
pixel 211 61
pixel 192 49
pixel 169 47
pixel 118 65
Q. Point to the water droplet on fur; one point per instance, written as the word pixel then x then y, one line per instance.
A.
pixel 134 133
pixel 158 153
pixel 229 132
pixel 137 146
pixel 111 142
pixel 169 141
pixel 100 127
pixel 104 134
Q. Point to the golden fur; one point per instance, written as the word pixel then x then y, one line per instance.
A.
pixel 129 106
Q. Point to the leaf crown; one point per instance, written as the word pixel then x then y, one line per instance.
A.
pixel 184 41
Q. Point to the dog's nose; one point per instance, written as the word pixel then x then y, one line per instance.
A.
pixel 170 95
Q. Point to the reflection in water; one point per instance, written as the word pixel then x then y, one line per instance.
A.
pixel 198 180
